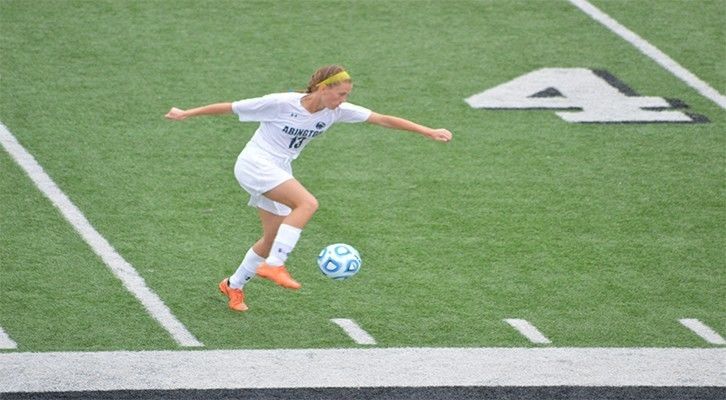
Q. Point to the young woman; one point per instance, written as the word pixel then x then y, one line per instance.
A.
pixel 288 121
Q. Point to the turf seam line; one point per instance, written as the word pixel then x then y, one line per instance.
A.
pixel 124 271
pixel 353 330
pixel 704 331
pixel 653 52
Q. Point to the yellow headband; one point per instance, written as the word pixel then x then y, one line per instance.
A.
pixel 333 79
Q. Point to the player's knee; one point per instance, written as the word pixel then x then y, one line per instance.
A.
pixel 306 205
pixel 311 204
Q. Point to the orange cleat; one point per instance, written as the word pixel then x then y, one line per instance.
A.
pixel 236 296
pixel 279 275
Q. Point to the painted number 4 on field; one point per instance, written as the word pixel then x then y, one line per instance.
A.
pixel 583 95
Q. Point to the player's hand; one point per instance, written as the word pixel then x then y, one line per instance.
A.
pixel 176 114
pixel 441 135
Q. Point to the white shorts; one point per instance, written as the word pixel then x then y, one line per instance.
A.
pixel 258 172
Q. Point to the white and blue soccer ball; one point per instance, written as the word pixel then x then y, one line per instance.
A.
pixel 339 261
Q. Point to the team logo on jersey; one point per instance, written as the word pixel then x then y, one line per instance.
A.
pixel 320 125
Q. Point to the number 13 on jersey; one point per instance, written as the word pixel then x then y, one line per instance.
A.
pixel 296 142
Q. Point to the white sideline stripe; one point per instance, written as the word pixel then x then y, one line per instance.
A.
pixel 702 330
pixel 5 341
pixel 353 330
pixel 361 367
pixel 653 52
pixel 528 330
pixel 124 271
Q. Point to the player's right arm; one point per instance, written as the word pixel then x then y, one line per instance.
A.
pixel 211 109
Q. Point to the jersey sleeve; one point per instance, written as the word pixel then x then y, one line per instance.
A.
pixel 352 113
pixel 256 109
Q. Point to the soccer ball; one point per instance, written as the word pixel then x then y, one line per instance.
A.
pixel 339 261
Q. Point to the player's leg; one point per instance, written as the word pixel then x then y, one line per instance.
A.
pixel 294 195
pixel 256 173
pixel 259 251
pixel 234 286
pixel 303 205
pixel 270 225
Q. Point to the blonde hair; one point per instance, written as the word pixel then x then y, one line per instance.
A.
pixel 322 74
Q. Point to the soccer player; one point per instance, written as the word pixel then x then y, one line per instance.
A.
pixel 288 122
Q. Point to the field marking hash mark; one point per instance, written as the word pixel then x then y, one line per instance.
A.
pixel 704 331
pixel 353 330
pixel 6 342
pixel 528 330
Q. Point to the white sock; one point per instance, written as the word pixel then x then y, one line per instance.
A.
pixel 246 270
pixel 285 241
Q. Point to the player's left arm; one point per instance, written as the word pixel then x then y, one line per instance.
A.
pixel 389 121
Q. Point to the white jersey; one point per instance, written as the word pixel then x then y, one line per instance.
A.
pixel 286 127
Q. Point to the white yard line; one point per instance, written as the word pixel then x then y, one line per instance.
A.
pixel 528 330
pixel 653 52
pixel 124 271
pixel 356 333
pixel 702 330
pixel 5 341
pixel 369 367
